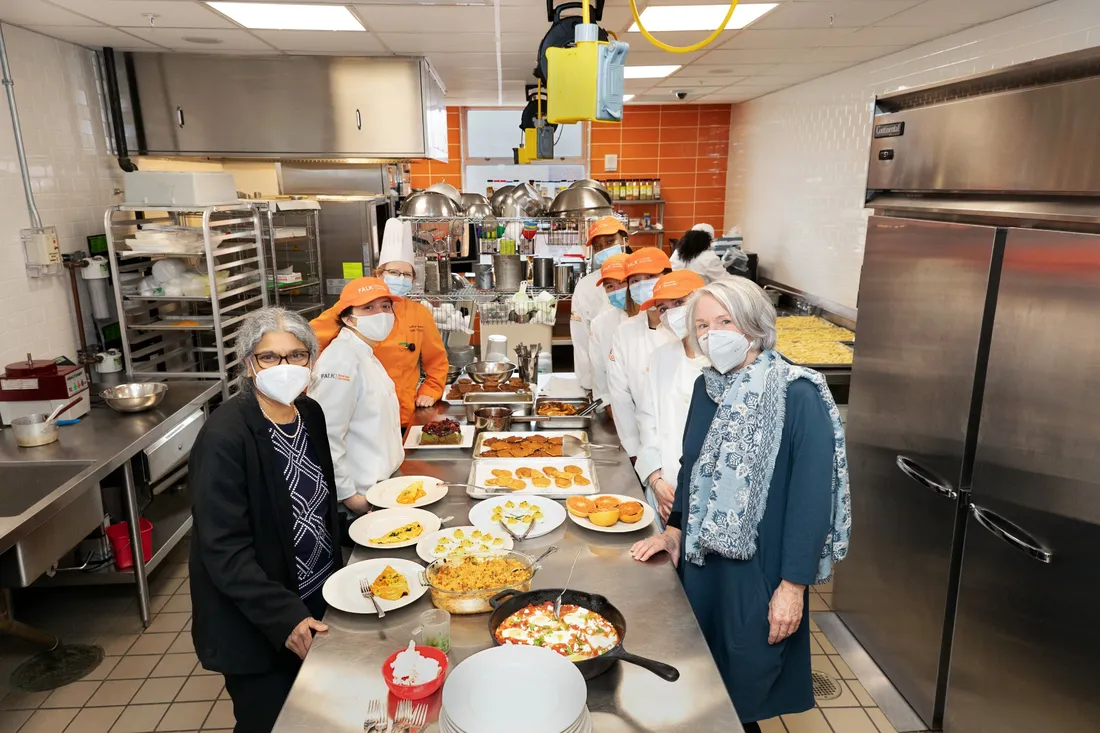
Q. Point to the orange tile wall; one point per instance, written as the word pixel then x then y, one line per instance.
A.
pixel 685 146
pixel 425 172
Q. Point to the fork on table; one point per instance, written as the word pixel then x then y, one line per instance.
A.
pixel 378 721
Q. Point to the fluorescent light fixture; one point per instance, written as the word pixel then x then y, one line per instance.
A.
pixel 648 72
pixel 627 97
pixel 700 17
pixel 273 17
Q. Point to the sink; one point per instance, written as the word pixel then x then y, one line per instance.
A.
pixel 23 484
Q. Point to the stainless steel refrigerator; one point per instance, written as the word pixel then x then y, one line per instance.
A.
pixel 974 415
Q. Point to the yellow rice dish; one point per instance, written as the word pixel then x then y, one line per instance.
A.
pixel 480 573
pixel 816 352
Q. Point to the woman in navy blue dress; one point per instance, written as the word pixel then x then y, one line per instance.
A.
pixel 762 507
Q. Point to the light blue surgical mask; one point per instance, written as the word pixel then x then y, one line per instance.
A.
pixel 618 298
pixel 599 258
pixel 398 285
pixel 642 291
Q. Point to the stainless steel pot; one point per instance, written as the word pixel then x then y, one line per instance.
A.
pixel 500 419
pixel 508 270
pixel 564 281
pixel 34 430
pixel 483 274
pixel 544 272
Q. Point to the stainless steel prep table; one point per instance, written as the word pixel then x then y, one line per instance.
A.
pixel 342 672
pixel 85 453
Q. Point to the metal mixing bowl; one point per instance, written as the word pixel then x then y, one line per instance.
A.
pixel 580 200
pixel 134 397
pixel 429 204
pixel 484 372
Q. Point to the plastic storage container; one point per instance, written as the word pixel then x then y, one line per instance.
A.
pixel 119 537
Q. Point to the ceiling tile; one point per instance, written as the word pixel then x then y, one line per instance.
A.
pixel 852 54
pixel 677 38
pixel 170 14
pixel 323 42
pixel 702 70
pixel 755 55
pixel 792 39
pixel 427 18
pixel 94 37
pixel 943 12
pixel 805 69
pixel 711 82
pixel 426 43
pixel 526 18
pixel 232 41
pixel 878 35
pixel 831 14
pixel 643 54
pixel 38 12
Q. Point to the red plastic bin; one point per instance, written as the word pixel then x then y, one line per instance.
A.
pixel 119 536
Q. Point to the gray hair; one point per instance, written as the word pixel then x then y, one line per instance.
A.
pixel 271 320
pixel 748 305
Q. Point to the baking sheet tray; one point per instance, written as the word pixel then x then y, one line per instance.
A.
pixel 566 422
pixel 482 469
pixel 582 435
pixel 821 366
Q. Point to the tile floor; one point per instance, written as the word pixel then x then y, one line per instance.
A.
pixel 151 680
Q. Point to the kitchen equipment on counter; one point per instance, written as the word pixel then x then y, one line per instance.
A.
pixel 486 372
pixel 520 403
pixel 564 278
pixel 483 276
pixel 134 397
pixel 429 204
pixel 35 430
pixel 38 386
pixel 461 356
pixel 527 358
pixel 499 419
pixel 544 272
pixel 464 602
pixel 109 361
pixel 509 601
pixel 581 419
pixel 578 438
pixel 496 347
pixel 509 271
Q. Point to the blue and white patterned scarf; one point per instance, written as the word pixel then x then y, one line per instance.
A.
pixel 730 481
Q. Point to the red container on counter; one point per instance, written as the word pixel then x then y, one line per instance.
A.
pixel 119 536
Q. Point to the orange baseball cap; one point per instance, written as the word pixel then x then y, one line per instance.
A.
pixel 613 268
pixel 606 225
pixel 363 290
pixel 647 261
pixel 674 285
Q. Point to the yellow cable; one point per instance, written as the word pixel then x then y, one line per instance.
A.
pixel 676 49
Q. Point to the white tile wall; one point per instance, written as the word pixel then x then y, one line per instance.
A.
pixel 798 157
pixel 73 176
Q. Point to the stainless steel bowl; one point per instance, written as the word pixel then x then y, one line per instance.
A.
pixel 523 200
pixel 479 210
pixel 429 203
pixel 484 372
pixel 592 183
pixel 134 397
pixel 582 199
pixel 466 200
pixel 447 190
pixel 497 201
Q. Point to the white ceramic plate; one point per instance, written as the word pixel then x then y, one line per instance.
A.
pixel 428 542
pixel 384 493
pixel 539 687
pixel 412 439
pixel 341 590
pixel 553 514
pixel 380 522
pixel 648 515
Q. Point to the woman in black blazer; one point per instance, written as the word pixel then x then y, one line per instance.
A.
pixel 266 528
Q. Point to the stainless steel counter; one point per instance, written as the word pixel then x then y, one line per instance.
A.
pixel 342 672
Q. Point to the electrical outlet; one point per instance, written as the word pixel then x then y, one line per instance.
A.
pixel 610 163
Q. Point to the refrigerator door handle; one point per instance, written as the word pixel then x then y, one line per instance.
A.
pixel 1010 533
pixel 926 478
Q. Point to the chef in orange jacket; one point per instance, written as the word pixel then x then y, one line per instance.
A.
pixel 414 342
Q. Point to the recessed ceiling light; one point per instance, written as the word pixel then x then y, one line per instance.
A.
pixel 648 72
pixel 272 17
pixel 628 97
pixel 700 17
pixel 202 39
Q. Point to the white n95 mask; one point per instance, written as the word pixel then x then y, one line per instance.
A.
pixel 725 349
pixel 376 326
pixel 283 382
pixel 676 321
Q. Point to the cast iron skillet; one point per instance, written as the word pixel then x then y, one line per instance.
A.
pixel 508 602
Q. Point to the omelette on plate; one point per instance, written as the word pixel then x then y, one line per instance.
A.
pixel 410 531
pixel 412 493
pixel 390 585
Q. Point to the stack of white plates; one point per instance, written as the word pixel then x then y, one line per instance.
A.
pixel 512 687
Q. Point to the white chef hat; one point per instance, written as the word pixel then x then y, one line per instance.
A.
pixel 397 242
pixel 704 227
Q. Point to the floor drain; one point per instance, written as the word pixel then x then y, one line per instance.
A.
pixel 51 669
pixel 825 687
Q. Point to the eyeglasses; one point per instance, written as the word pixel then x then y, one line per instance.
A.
pixel 267 359
pixel 397 273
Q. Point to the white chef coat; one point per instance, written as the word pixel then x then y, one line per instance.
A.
pixel 663 409
pixel 631 347
pixel 362 412
pixel 599 346
pixel 706 264
pixel 589 300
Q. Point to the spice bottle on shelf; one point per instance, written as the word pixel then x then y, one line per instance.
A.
pixel 649 190
pixel 645 220
pixel 657 189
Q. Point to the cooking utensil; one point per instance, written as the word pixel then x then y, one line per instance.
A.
pixel 498 198
pixel 35 430
pixel 508 271
pixel 500 419
pixel 590 202
pixel 563 278
pixel 134 397
pixel 376 716
pixel 486 372
pixel 519 402
pixel 447 190
pixel 544 272
pixel 364 588
pixel 574 447
pixel 557 601
pixel 592 183
pixel 508 602
pixel 483 276
pixel 590 409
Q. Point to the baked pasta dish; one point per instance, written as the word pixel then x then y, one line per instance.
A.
pixel 579 634
pixel 479 572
